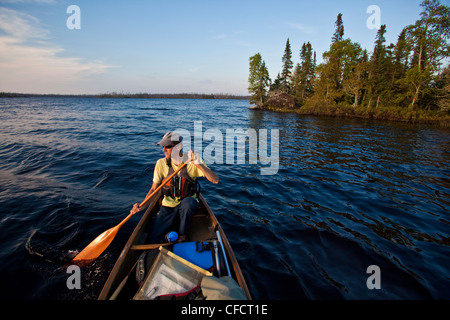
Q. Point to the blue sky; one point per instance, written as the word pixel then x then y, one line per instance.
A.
pixel 171 46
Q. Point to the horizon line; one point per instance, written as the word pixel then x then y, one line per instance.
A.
pixel 130 95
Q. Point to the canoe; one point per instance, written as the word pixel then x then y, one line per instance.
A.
pixel 204 228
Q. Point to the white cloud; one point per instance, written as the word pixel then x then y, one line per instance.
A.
pixel 21 25
pixel 30 62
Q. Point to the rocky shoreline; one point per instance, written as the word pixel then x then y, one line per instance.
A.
pixel 282 104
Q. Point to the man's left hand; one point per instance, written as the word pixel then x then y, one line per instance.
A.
pixel 194 157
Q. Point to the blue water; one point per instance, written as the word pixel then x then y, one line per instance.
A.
pixel 349 193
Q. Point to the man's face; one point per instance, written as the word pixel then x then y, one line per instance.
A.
pixel 167 151
pixel 173 152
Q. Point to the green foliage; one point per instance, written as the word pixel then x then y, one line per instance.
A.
pixel 339 33
pixel 258 79
pixel 409 80
pixel 286 72
pixel 304 75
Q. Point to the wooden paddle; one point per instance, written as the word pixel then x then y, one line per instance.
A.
pixel 99 244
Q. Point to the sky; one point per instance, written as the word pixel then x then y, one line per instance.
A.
pixel 168 46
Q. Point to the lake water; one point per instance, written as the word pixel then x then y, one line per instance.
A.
pixel 348 194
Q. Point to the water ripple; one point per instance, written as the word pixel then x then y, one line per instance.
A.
pixel 348 194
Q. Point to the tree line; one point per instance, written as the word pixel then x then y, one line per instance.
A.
pixel 122 95
pixel 413 74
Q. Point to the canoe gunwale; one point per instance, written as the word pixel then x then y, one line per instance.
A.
pixel 121 262
pixel 128 256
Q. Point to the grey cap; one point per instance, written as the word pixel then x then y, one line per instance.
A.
pixel 170 138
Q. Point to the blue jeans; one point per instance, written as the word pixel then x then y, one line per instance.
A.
pixel 166 215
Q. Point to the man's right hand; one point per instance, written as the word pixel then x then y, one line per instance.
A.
pixel 135 209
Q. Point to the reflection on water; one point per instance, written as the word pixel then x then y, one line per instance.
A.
pixel 348 194
pixel 383 187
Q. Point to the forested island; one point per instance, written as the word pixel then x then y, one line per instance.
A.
pixel 406 81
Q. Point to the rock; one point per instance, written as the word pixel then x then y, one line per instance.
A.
pixel 279 99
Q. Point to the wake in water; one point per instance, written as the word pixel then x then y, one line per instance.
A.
pixel 348 194
pixel 51 257
pixel 54 242
pixel 47 251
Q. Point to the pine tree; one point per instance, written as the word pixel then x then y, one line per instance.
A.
pixel 401 56
pixel 379 69
pixel 258 79
pixel 286 72
pixel 412 73
pixel 400 64
pixel 339 32
pixel 304 75
pixel 296 85
pixel 276 84
pixel 308 67
pixel 340 60
pixel 329 73
pixel 379 51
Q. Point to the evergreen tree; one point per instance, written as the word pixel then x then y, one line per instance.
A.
pixel 286 72
pixel 379 80
pixel 258 80
pixel 296 86
pixel 379 52
pixel 308 67
pixel 329 72
pixel 401 56
pixel 340 60
pixel 276 85
pixel 400 64
pixel 412 73
pixel 304 75
pixel 339 32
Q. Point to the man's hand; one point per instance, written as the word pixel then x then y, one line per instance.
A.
pixel 194 157
pixel 135 209
pixel 209 174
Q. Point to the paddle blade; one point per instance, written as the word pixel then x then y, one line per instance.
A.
pixel 96 247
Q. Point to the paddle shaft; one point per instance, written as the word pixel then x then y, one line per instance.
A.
pixel 99 244
pixel 148 198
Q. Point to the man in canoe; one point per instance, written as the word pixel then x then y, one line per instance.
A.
pixel 180 193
